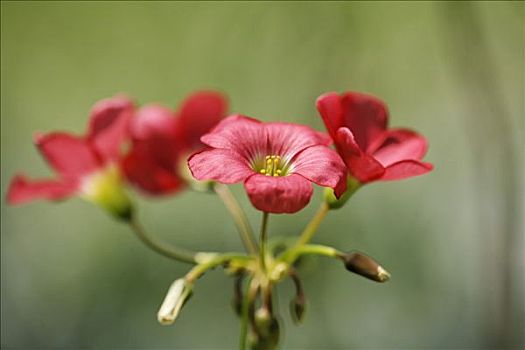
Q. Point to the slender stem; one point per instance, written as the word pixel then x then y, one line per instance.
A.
pixel 262 240
pixel 313 225
pixel 315 249
pixel 213 262
pixel 169 251
pixel 238 215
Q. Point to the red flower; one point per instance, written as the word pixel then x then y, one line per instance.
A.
pixel 276 161
pixel 162 139
pixel 358 125
pixel 86 165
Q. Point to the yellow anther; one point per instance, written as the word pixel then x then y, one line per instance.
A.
pixel 272 165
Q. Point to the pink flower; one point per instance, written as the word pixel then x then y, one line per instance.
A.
pixel 358 125
pixel 276 161
pixel 86 165
pixel 162 139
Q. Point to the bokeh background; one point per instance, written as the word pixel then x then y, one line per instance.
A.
pixel 74 278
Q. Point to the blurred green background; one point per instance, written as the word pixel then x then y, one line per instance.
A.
pixel 453 240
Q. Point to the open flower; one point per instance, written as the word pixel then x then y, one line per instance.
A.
pixel 85 165
pixel 277 162
pixel 162 139
pixel 358 125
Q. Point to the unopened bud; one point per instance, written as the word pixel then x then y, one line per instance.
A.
pixel 365 266
pixel 263 320
pixel 297 309
pixel 177 295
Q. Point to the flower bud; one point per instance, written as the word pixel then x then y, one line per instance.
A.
pixel 365 266
pixel 263 320
pixel 177 295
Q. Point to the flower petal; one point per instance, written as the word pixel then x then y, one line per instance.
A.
pixel 109 125
pixel 360 165
pixel 198 114
pixel 243 135
pixel 330 109
pixel 282 194
pixel 151 121
pixel 148 174
pixel 405 169
pixel 401 144
pixel 22 190
pixel 221 165
pixel 153 131
pixel 69 155
pixel 286 139
pixel 323 166
pixel 365 115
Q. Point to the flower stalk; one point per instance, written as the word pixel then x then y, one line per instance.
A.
pixel 170 251
pixel 313 225
pixel 239 217
pixel 263 240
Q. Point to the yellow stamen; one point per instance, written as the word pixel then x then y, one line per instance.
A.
pixel 272 166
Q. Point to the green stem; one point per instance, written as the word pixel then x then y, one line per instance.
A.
pixel 315 249
pixel 262 240
pixel 162 248
pixel 238 215
pixel 213 261
pixel 313 225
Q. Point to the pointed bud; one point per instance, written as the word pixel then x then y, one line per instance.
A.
pixel 177 295
pixel 365 266
pixel 297 309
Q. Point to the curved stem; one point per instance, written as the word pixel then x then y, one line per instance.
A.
pixel 162 248
pixel 262 240
pixel 313 225
pixel 238 215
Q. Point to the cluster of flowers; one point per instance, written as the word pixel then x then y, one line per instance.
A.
pixel 161 152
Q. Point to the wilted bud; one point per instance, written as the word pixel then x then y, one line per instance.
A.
pixel 237 301
pixel 365 266
pixel 297 309
pixel 177 295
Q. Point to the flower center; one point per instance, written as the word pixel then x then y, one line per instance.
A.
pixel 273 166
